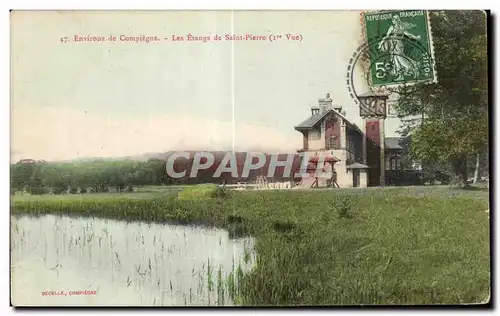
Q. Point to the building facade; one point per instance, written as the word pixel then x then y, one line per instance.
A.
pixel 329 135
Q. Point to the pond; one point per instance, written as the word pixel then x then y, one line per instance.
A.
pixel 123 263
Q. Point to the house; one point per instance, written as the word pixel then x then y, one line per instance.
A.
pixel 329 135
pixel 352 153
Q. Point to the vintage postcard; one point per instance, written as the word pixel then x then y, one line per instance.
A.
pixel 249 158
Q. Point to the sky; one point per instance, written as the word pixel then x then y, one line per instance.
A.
pixel 110 99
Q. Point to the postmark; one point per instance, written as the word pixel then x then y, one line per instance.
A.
pixel 402 49
pixel 381 98
pixel 389 61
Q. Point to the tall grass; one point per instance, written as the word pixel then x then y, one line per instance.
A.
pixel 201 192
pixel 328 247
pixel 149 273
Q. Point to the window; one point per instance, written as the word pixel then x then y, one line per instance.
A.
pixel 395 164
pixel 332 143
pixel 398 164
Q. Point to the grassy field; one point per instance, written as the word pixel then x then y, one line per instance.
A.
pixel 423 245
pixel 160 188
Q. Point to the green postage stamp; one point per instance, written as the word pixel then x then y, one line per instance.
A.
pixel 400 47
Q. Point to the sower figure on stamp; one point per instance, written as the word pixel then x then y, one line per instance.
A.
pixel 393 43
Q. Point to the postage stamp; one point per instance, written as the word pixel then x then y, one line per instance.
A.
pixel 402 49
pixel 396 50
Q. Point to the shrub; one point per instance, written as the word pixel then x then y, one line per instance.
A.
pixel 200 192
pixel 129 188
pixel 100 188
pixel 103 188
pixel 73 190
pixel 39 190
pixel 57 190
pixel 22 192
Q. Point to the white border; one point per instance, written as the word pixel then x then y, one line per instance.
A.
pixel 361 5
pixel 185 4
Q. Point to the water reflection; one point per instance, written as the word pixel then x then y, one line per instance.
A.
pixel 127 263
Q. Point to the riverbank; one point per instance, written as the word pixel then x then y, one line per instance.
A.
pixel 330 247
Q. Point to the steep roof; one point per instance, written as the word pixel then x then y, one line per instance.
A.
pixel 313 120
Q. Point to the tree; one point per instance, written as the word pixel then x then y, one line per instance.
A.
pixel 476 171
pixel 36 182
pixel 454 111
pixel 20 174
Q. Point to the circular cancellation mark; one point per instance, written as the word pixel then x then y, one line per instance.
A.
pixel 392 62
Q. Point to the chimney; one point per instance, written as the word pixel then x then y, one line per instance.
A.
pixel 325 104
pixel 314 110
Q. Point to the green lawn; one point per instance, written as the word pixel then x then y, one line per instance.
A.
pixel 160 188
pixel 419 245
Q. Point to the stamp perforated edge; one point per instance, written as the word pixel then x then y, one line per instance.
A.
pixel 366 63
pixel 431 48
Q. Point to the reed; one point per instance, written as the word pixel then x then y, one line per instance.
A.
pixel 383 246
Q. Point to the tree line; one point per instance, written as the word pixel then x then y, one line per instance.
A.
pixel 448 121
pixel 41 177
